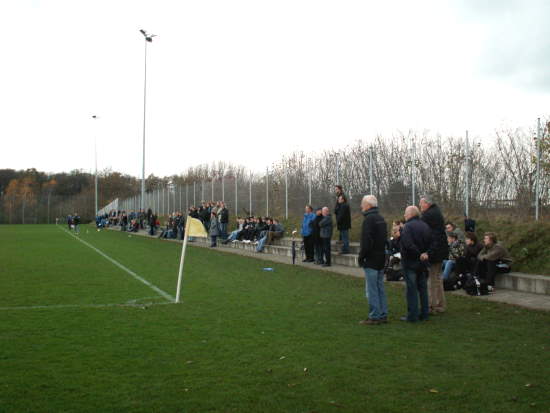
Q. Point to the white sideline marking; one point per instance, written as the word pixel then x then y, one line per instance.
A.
pixel 39 307
pixel 122 267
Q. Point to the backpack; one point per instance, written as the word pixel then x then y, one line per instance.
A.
pixel 393 269
pixel 473 286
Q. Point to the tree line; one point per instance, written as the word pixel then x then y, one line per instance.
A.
pixel 499 177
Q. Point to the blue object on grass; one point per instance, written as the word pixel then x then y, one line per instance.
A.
pixel 269 269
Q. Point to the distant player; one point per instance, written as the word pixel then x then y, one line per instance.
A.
pixel 76 222
pixel 70 222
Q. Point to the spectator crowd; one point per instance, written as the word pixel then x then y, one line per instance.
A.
pixel 429 254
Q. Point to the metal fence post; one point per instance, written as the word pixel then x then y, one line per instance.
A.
pixel 286 193
pixel 537 187
pixel 267 191
pixel 371 183
pixel 309 182
pixel 236 196
pixel 467 178
pixel 250 194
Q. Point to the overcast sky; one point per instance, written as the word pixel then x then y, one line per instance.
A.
pixel 247 81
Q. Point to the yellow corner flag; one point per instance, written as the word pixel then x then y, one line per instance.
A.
pixel 195 228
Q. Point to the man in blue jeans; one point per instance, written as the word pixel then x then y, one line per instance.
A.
pixel 415 240
pixel 372 257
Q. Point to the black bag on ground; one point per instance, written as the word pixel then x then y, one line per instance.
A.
pixel 393 275
pixel 474 286
pixel 451 283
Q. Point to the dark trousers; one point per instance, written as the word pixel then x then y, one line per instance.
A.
pixel 326 250
pixel 486 271
pixel 214 240
pixel 318 245
pixel 309 247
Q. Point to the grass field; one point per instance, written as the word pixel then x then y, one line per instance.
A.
pixel 80 334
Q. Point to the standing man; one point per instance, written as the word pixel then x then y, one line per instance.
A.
pixel 372 258
pixel 307 233
pixel 414 241
pixel 343 222
pixel 438 251
pixel 326 236
pixel 223 214
pixel 316 234
pixel 76 222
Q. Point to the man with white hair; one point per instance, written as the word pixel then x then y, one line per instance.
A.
pixel 372 257
pixel 438 251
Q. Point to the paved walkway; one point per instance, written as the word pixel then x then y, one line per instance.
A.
pixel 517 298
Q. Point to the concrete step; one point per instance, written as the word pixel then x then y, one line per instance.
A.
pixel 349 260
pixel 529 283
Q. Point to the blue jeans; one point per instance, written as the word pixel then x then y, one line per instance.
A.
pixel 214 240
pixel 233 236
pixel 448 267
pixel 261 243
pixel 378 304
pixel 223 230
pixel 344 237
pixel 417 286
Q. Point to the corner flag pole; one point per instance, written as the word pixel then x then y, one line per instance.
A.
pixel 182 259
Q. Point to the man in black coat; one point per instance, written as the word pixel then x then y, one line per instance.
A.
pixel 372 258
pixel 438 251
pixel 223 214
pixel 343 222
pixel 316 234
pixel 415 240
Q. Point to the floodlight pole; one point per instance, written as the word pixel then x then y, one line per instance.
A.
pixel 148 39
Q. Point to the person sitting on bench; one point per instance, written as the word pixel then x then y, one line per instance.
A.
pixel 492 259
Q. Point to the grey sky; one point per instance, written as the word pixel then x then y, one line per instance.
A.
pixel 247 81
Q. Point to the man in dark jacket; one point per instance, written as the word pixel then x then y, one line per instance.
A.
pixel 316 234
pixel 343 222
pixel 325 233
pixel 438 251
pixel 415 241
pixel 223 215
pixel 372 258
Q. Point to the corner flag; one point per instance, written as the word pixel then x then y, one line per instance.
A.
pixel 193 228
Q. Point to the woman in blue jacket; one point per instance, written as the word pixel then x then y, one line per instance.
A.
pixel 307 233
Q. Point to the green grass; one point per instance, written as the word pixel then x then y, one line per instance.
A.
pixel 242 337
